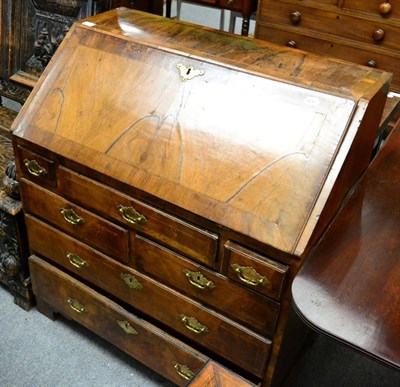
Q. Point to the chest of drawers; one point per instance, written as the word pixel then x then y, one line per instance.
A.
pixel 361 31
pixel 174 178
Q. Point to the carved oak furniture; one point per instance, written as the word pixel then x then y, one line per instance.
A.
pixel 361 31
pixel 174 178
pixel 353 274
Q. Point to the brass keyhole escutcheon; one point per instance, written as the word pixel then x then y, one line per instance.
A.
pixel 188 72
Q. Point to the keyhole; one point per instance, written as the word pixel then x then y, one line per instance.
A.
pixel 188 70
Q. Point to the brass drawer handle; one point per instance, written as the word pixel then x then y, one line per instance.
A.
pixel 249 275
pixel 131 281
pixel 131 215
pixel 193 325
pixel 198 280
pixel 34 168
pixel 71 216
pixel 127 328
pixel 183 371
pixel 76 306
pixel 76 260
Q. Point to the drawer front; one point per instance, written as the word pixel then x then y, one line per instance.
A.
pixel 133 335
pixel 333 49
pixel 251 309
pixel 35 167
pixel 74 220
pixel 379 8
pixel 199 244
pixel 255 271
pixel 199 324
pixel 360 30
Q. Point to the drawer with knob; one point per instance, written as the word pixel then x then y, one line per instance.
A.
pixel 334 48
pixel 337 24
pixel 181 236
pixel 388 9
pixel 246 307
pixel 199 324
pixel 166 355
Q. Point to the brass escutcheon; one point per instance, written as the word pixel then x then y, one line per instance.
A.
pixel 183 371
pixel 127 328
pixel 131 281
pixel 76 260
pixel 188 72
pixel 192 324
pixel 76 306
pixel 34 168
pixel 249 275
pixel 198 280
pixel 71 216
pixel 131 215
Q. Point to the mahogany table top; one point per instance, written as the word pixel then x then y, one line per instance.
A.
pixel 349 287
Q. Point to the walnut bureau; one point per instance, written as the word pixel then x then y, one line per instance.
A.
pixel 174 178
pixel 361 31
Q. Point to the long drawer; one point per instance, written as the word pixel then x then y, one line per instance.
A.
pixel 200 325
pixel 171 358
pixel 273 33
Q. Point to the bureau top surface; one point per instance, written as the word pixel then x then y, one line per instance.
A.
pixel 233 145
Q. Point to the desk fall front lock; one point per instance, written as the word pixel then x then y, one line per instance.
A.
pixel 174 178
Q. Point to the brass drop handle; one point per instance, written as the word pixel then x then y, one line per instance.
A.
pixel 131 215
pixel 183 371
pixel 295 17
pixel 385 8
pixel 197 279
pixel 131 281
pixel 378 35
pixel 76 260
pixel 249 275
pixel 292 44
pixel 192 324
pixel 127 328
pixel 76 306
pixel 371 63
pixel 71 216
pixel 34 168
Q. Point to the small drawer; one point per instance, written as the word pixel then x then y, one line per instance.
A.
pixel 84 225
pixel 164 354
pixel 179 235
pixel 384 9
pixel 203 326
pixel 255 271
pixel 249 308
pixel 37 168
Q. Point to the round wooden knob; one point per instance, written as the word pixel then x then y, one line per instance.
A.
pixel 291 43
pixel 378 35
pixel 371 63
pixel 385 8
pixel 295 17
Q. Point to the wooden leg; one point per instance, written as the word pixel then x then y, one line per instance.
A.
pixel 168 8
pixel 46 309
